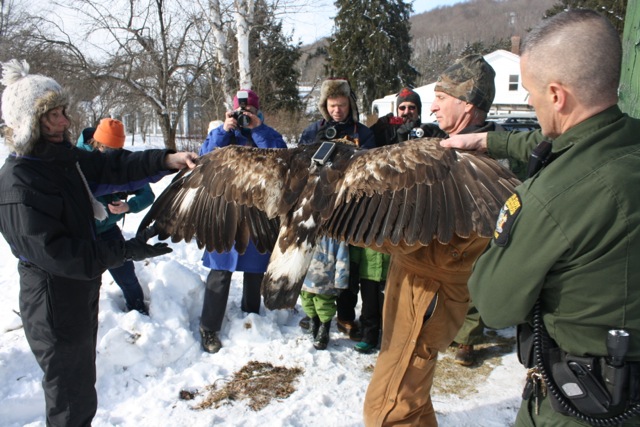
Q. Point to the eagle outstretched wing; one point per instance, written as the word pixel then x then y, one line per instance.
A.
pixel 232 195
pixel 415 192
pixel 412 192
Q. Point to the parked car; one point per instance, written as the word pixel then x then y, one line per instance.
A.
pixel 516 123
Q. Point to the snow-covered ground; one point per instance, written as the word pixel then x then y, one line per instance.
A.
pixel 143 363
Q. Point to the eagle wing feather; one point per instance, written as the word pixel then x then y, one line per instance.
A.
pixel 412 192
pixel 451 193
pixel 221 205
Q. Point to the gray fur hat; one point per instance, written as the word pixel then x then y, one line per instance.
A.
pixel 26 98
pixel 470 79
pixel 332 88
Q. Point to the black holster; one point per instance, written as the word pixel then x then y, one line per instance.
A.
pixel 524 340
pixel 580 380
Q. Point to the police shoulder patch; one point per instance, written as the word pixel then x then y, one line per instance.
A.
pixel 507 216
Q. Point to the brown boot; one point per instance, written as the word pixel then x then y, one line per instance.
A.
pixel 465 355
pixel 351 328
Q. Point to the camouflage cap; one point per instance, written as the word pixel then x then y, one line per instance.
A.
pixel 470 79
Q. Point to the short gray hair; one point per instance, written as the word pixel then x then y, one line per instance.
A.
pixel 579 48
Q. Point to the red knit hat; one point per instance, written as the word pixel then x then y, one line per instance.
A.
pixel 110 132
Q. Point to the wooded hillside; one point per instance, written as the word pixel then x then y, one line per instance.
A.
pixel 441 35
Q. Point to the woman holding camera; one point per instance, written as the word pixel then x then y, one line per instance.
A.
pixel 243 126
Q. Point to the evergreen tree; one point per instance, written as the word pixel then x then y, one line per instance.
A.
pixel 614 10
pixel 273 62
pixel 371 47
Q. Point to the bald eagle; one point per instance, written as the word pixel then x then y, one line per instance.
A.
pixel 412 192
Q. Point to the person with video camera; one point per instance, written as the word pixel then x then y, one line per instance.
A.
pixel 407 124
pixel 339 110
pixel 243 126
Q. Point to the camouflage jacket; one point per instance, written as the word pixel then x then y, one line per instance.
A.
pixel 329 269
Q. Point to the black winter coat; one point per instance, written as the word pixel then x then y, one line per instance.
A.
pixel 45 210
pixel 387 134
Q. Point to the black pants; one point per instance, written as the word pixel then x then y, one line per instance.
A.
pixel 348 299
pixel 216 295
pixel 125 275
pixel 60 318
pixel 372 293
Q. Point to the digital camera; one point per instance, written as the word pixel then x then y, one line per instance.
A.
pixel 394 120
pixel 242 119
pixel 417 133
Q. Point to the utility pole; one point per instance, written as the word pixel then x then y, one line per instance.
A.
pixel 630 76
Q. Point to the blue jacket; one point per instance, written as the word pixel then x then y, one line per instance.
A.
pixel 142 198
pixel 263 136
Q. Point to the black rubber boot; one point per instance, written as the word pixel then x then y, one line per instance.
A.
pixel 322 338
pixel 315 326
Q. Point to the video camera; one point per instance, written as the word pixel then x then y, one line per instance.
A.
pixel 242 119
pixel 416 132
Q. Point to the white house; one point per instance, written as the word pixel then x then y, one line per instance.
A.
pixel 511 97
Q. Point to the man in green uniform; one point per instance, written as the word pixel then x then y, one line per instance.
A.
pixel 570 235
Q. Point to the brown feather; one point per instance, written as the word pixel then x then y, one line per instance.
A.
pixel 412 193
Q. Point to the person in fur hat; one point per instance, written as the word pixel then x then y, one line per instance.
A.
pixel 390 129
pixel 47 214
pixel 339 110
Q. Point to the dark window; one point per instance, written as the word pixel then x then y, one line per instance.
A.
pixel 513 82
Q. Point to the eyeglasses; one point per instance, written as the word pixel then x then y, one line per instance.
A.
pixel 404 107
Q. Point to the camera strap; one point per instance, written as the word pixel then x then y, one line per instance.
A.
pixel 249 143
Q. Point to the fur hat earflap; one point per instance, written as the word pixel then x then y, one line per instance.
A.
pixel 334 87
pixel 26 98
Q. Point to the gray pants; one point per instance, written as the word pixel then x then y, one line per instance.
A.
pixel 216 295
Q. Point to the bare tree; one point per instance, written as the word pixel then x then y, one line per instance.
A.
pixel 244 10
pixel 151 51
pixel 231 49
pixel 218 48
pixel 226 20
